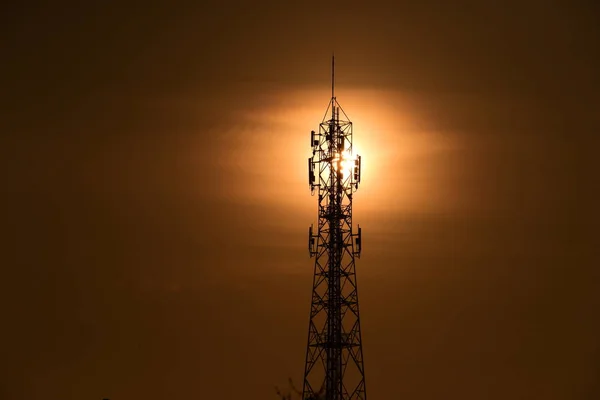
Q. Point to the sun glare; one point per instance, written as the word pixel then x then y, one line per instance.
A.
pixel 345 164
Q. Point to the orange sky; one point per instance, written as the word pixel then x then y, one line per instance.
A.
pixel 155 199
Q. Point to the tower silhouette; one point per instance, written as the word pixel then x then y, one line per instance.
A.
pixel 334 368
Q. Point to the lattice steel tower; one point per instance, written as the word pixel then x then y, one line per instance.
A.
pixel 334 367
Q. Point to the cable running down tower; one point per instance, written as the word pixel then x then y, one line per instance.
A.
pixel 334 368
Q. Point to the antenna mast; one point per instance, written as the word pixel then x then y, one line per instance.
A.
pixel 334 368
pixel 332 75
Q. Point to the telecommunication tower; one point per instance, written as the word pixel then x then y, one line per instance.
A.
pixel 334 368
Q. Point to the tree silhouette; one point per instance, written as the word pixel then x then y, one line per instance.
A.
pixel 289 394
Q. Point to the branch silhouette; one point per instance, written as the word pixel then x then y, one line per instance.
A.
pixel 292 392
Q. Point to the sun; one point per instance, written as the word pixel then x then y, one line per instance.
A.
pixel 345 163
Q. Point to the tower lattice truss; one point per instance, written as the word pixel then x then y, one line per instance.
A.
pixel 334 368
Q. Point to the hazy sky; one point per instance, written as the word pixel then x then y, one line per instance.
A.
pixel 155 201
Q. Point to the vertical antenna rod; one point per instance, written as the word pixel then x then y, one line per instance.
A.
pixel 332 75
